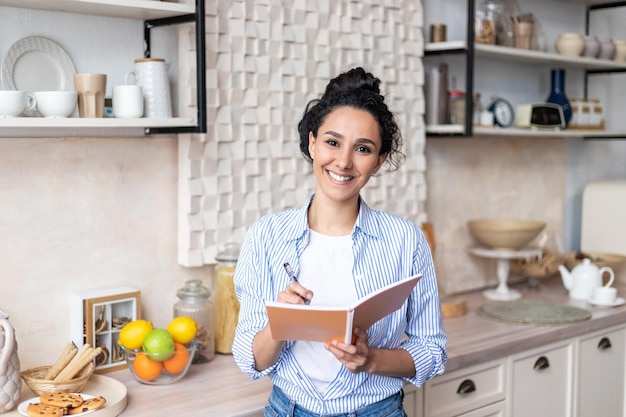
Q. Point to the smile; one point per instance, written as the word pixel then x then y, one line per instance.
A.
pixel 340 178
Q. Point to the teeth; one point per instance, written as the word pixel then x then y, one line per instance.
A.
pixel 338 177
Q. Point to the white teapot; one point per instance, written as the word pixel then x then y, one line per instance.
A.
pixel 584 278
pixel 10 381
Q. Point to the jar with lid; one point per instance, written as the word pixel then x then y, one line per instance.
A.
pixel 195 302
pixel 227 304
pixel 457 107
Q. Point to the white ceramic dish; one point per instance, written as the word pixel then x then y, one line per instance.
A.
pixel 24 404
pixel 36 63
pixel 618 302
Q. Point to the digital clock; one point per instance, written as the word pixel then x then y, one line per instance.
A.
pixel 540 116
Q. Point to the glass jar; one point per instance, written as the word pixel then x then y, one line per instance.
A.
pixel 194 301
pixel 457 107
pixel 227 304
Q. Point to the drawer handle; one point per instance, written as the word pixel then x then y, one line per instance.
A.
pixel 542 363
pixel 466 387
pixel 604 343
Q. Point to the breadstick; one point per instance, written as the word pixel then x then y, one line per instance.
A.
pixel 64 358
pixel 79 362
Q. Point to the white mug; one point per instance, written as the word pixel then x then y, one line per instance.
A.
pixel 127 101
pixel 55 104
pixel 605 294
pixel 13 103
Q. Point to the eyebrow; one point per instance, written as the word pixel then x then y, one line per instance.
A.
pixel 339 135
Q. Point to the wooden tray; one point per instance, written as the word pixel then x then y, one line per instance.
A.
pixel 113 390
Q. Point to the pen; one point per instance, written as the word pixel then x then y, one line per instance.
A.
pixel 293 277
pixel 290 272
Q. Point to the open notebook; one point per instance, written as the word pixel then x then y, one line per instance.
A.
pixel 325 324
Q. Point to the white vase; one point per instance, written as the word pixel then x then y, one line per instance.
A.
pixel 620 51
pixel 570 44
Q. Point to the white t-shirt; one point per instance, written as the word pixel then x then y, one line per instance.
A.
pixel 326 269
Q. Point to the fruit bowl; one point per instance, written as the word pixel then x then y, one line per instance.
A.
pixel 151 372
pixel 505 234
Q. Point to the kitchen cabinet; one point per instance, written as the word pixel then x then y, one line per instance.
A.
pixel 601 378
pixel 541 381
pixel 150 13
pixel 473 391
pixel 475 54
pixel 413 401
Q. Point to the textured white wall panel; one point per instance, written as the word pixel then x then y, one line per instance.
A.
pixel 266 60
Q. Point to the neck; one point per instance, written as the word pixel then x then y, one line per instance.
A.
pixel 332 218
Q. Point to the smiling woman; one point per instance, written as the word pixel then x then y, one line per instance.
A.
pixel 341 251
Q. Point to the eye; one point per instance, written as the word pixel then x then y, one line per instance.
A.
pixel 332 142
pixel 363 149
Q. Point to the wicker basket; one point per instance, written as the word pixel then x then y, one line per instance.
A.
pixel 34 378
pixel 545 267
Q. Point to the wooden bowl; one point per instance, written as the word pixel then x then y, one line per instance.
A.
pixel 613 260
pixel 34 378
pixel 505 234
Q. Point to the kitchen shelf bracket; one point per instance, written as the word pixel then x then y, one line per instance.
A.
pixel 199 19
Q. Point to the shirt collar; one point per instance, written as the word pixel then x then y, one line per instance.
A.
pixel 365 221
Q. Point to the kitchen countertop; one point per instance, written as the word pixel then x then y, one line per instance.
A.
pixel 219 388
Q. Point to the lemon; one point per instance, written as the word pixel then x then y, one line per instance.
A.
pixel 183 329
pixel 133 333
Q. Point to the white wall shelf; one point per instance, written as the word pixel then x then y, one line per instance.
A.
pixel 134 9
pixel 457 130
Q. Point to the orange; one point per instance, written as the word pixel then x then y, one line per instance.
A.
pixel 177 363
pixel 145 368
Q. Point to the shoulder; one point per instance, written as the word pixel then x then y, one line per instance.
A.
pixel 385 224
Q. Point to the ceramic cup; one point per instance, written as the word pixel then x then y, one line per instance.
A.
pixel 127 101
pixel 55 103
pixel 91 89
pixel 12 103
pixel 605 294
pixel 523 34
pixel 570 44
pixel 620 50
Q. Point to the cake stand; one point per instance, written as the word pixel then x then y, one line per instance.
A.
pixel 503 258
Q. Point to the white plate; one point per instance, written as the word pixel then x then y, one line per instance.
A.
pixel 22 407
pixel 36 63
pixel 618 302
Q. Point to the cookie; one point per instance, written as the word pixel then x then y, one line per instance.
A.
pixel 43 410
pixel 88 405
pixel 61 399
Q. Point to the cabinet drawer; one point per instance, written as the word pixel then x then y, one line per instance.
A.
pixel 541 382
pixel 465 389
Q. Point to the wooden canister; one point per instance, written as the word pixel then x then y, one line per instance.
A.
pixel 226 303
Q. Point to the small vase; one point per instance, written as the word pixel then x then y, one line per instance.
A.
pixel 592 47
pixel 570 44
pixel 607 49
pixel 557 93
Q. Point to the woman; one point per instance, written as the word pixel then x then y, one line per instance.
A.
pixel 340 250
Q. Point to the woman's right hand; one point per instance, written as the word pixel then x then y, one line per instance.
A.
pixel 295 293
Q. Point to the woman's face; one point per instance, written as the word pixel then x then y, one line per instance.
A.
pixel 345 153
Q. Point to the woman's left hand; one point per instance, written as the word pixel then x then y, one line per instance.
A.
pixel 355 357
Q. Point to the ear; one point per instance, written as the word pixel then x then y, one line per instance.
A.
pixel 312 141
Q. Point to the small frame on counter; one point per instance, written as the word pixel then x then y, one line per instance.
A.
pixel 96 317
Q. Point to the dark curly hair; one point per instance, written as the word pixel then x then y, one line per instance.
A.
pixel 360 90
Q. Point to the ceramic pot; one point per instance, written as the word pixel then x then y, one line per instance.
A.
pixel 592 47
pixel 151 75
pixel 607 49
pixel 570 44
pixel 620 51
pixel 557 93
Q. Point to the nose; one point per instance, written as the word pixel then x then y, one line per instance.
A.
pixel 344 158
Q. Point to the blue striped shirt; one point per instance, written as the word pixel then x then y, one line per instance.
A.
pixel 386 249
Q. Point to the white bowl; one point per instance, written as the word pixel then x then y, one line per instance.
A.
pixel 12 103
pixel 56 103
pixel 505 234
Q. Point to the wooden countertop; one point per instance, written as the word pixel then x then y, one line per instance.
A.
pixel 219 388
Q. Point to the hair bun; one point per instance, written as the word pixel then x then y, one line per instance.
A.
pixel 355 79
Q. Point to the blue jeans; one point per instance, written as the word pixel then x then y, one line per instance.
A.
pixel 279 405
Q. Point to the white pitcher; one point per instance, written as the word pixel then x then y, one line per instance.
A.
pixel 10 381
pixel 151 75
